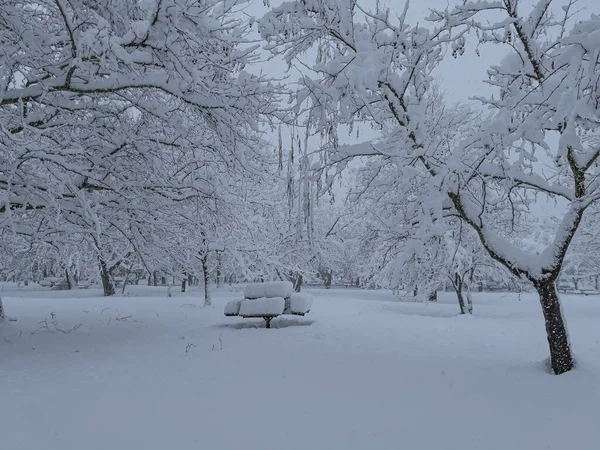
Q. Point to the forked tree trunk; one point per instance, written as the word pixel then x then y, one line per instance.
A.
pixel 561 358
pixel 433 296
pixel 71 282
pixel 107 284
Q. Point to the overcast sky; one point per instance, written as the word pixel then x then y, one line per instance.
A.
pixel 461 78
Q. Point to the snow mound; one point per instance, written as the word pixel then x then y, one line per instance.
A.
pixel 262 307
pixel 279 289
pixel 254 290
pixel 271 289
pixel 301 303
pixel 232 308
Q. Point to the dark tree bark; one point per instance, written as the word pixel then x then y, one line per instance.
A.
pixel 561 358
pixel 68 279
pixel 1 310
pixel 298 283
pixel 218 268
pixel 107 284
pixel 204 262
pixel 433 296
pixel 457 283
pixel 71 282
pixel 327 279
pixel 183 282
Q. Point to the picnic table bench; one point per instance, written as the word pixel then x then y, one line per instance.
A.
pixel 270 300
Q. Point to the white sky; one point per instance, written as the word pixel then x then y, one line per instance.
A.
pixel 461 78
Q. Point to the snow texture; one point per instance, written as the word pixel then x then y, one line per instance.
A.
pixel 366 371
pixel 254 290
pixel 262 307
pixel 232 308
pixel 300 303
pixel 279 289
pixel 270 289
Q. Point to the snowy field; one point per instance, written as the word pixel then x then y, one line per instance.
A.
pixel 362 371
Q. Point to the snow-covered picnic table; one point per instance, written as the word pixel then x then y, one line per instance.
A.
pixel 269 300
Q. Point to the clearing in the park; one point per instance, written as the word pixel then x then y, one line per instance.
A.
pixel 362 371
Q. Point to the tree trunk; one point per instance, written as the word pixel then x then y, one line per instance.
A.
pixel 71 283
pixel 576 283
pixel 1 311
pixel 433 296
pixel 68 279
pixel 328 278
pixel 204 261
pixel 107 284
pixel 183 282
pixel 596 282
pixel 298 283
pixel 469 301
pixel 218 268
pixel 458 285
pixel 127 279
pixel 561 358
pixel 461 301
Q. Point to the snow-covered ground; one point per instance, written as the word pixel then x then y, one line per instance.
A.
pixel 361 371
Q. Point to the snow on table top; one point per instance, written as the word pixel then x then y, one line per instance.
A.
pixel 260 307
pixel 301 302
pixel 232 308
pixel 269 289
